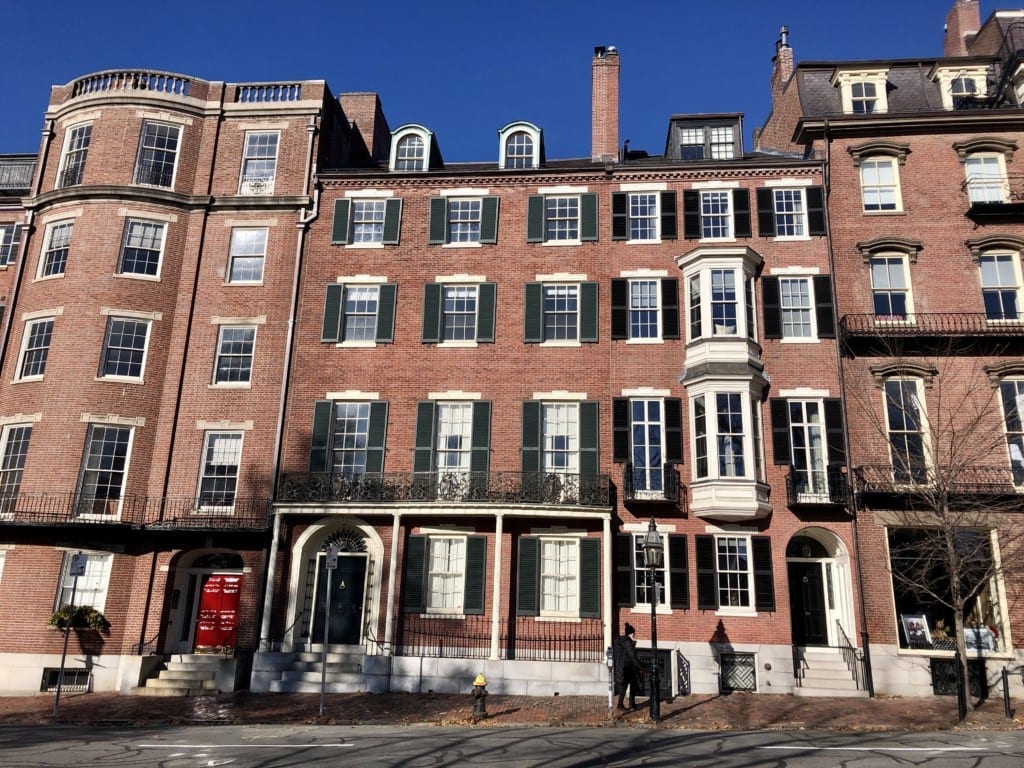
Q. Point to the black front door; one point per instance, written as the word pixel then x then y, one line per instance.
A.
pixel 807 604
pixel 346 590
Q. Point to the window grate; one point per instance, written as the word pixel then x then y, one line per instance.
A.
pixel 944 677
pixel 75 680
pixel 738 672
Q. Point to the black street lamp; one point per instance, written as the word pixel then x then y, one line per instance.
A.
pixel 654 558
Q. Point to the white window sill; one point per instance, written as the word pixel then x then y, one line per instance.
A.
pixel 717 240
pixel 121 379
pixel 752 613
pixel 557 243
pixel 457 344
pixel 230 385
pixel 799 340
pixel 28 379
pixel 364 245
pixel 561 343
pixel 41 278
pixel 792 238
pixel 645 341
pixel 648 241
pixel 896 212
pixel 133 276
pixel 243 283
pixel 645 609
pixel 563 619
pixel 356 344
pixel 469 244
pixel 439 615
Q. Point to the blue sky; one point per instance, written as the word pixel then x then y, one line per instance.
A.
pixel 462 68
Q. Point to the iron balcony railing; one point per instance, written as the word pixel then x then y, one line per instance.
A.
pixel 134 512
pixel 804 489
pixel 71 176
pixel 643 486
pixel 154 174
pixel 257 185
pixel 944 324
pixel 16 173
pixel 960 480
pixel 448 487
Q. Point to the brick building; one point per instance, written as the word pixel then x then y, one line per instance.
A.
pixel 926 243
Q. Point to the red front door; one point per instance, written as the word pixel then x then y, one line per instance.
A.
pixel 218 612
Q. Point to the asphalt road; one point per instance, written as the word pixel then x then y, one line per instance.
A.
pixel 439 747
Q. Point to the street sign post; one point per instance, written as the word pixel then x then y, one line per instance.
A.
pixel 330 565
pixel 75 569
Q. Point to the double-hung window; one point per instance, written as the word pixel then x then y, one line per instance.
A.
pixel 370 221
pixel 560 449
pixel 259 163
pixel 717 213
pixel 453 445
pixel 248 253
pixel 863 91
pixel 863 97
pixel 1011 392
pixel 986 177
pixel 348 438
pixel 905 424
pixel 790 212
pixel 10 237
pixel 463 220
pixel 798 308
pixel 158 154
pixel 707 141
pixel 1000 286
pixel 218 482
pixel 890 288
pixel 35 348
pixel 13 451
pixel 726 436
pixel 734 573
pixel 561 312
pixel 880 184
pixel 647 436
pixel 559 576
pixel 235 349
pixel 720 291
pixel 564 218
pixel 645 216
pixel 633 583
pixel 104 469
pixel 76 148
pixel 90 589
pixel 446 569
pixel 456 314
pixel 808 437
pixel 444 574
pixel 359 313
pixel 54 260
pixel 141 248
pixel 124 348
pixel 645 309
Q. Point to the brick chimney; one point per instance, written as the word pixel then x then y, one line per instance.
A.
pixel 962 23
pixel 783 64
pixel 604 104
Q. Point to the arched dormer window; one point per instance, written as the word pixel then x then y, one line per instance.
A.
pixel 413 149
pixel 521 146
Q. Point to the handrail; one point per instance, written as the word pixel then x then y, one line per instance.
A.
pixel 850 656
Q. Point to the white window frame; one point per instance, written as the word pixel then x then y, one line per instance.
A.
pixel 649 215
pixel 464 294
pixel 872 186
pixel 72 150
pixel 562 552
pixel 453 446
pixel 463 219
pixel 741 582
pixel 558 210
pixel 947 79
pixel 637 297
pixel 362 292
pixel 718 218
pixel 362 412
pixel 26 337
pixel 891 258
pixel 651 471
pixel 560 421
pixel 12 465
pixel 814 448
pixel 786 216
pixel 258 182
pixel 213 457
pixel 846 80
pixel 248 245
pixel 918 401
pixel 136 377
pixel 144 150
pixel 223 354
pixel 568 287
pixel 748 432
pixel 788 310
pixel 522 161
pixel 85 471
pixel 989 183
pixel 446 564
pixel 152 239
pixel 368 219
pixel 8 244
pixel 1013 425
pixel 642 576
pixel 50 249
pixel 91 589
pixel 1011 258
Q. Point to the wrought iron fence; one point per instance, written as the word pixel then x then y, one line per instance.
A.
pixel 257 185
pixel 964 480
pixel 931 324
pixel 16 173
pixel 155 174
pixel 651 486
pixel 449 487
pixel 801 491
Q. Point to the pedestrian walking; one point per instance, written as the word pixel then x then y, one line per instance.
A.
pixel 627 666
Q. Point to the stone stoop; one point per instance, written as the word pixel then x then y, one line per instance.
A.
pixel 192 674
pixel 824 673
pixel 344 673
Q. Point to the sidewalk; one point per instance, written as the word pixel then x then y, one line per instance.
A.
pixel 738 711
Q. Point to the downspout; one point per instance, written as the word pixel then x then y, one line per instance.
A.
pixel 865 640
pixel 302 225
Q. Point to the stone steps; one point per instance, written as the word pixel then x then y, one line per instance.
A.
pixel 825 673
pixel 193 674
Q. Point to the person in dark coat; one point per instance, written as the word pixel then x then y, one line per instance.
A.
pixel 627 666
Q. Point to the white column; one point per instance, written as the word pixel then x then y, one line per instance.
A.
pixel 607 572
pixel 496 588
pixel 268 594
pixel 396 527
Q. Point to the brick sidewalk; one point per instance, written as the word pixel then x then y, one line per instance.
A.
pixel 738 711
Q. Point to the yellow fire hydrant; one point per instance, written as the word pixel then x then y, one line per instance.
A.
pixel 480 696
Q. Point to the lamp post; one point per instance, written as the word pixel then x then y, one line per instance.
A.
pixel 654 558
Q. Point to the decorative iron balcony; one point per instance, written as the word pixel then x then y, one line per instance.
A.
pixel 71 176
pixel 956 481
pixel 638 485
pixel 257 185
pixel 836 490
pixel 16 173
pixel 154 174
pixel 132 512
pixel 932 324
pixel 448 487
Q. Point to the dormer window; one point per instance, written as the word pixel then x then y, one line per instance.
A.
pixel 700 138
pixel 520 146
pixel 412 149
pixel 961 87
pixel 863 92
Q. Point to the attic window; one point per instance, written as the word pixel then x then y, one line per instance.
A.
pixel 863 92
pixel 961 87
pixel 410 148
pixel 520 146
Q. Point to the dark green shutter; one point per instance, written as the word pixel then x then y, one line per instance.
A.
pixel 669 308
pixel 377 434
pixel 772 307
pixel 333 312
pixel 590 578
pixel 778 408
pixel 476 563
pixel 392 220
pixel 438 227
pixel 816 210
pixel 707 580
pixel 386 313
pixel 533 320
pixel 823 308
pixel 679 571
pixel 620 429
pixel 625 578
pixel 432 312
pixel 339 231
pixel 530 461
pixel 691 214
pixel 320 444
pixel 620 309
pixel 620 216
pixel 489 220
pixel 535 219
pixel 423 452
pixel 741 213
pixel 588 217
pixel 486 302
pixel 765 212
pixel 669 227
pixel 764 581
pixel 415 575
pixel 673 430
pixel 588 311
pixel 528 587
pixel 590 459
pixel 835 435
pixel 480 453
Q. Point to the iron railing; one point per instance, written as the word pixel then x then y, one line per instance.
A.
pixel 636 484
pixel 854 660
pixel 16 172
pixel 71 176
pixel 134 512
pixel 942 324
pixel 964 480
pixel 835 492
pixel 257 185
pixel 155 174
pixel 448 487
pixel 469 637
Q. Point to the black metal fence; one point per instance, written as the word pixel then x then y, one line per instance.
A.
pixel 966 480
pixel 912 324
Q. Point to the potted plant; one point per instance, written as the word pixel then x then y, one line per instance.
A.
pixel 78 617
